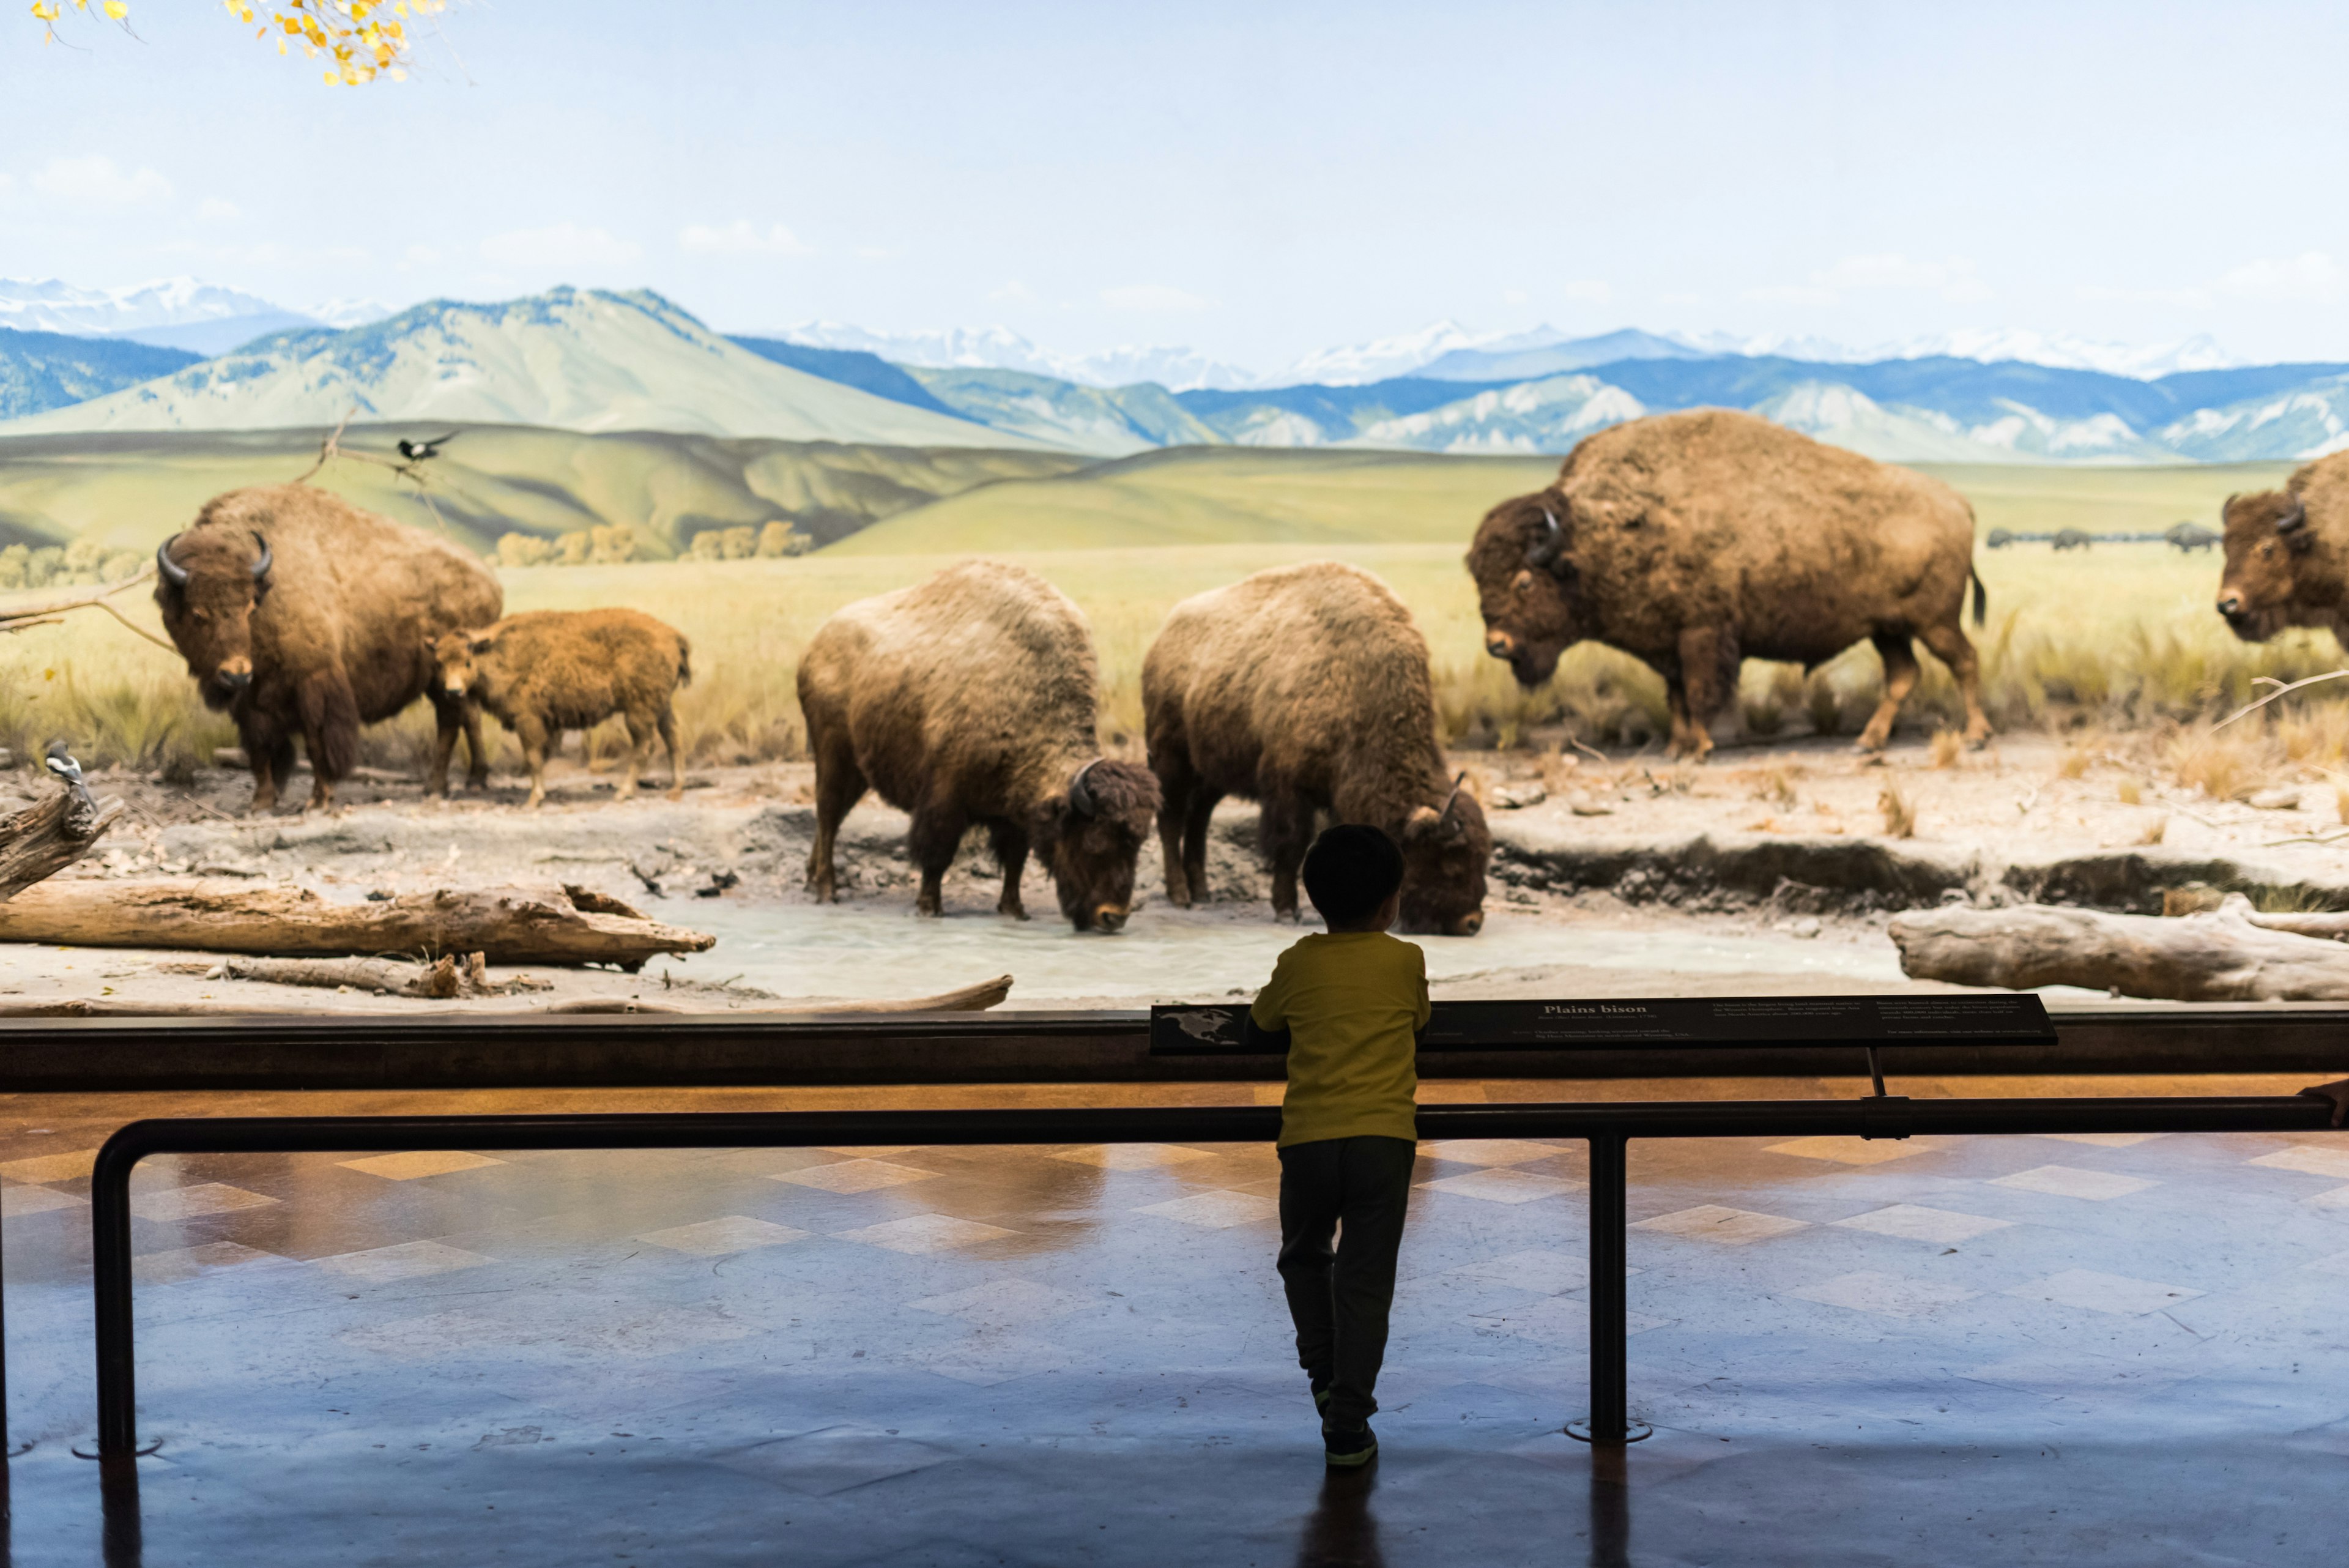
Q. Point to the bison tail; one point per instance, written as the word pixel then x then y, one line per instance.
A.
pixel 1981 598
pixel 684 662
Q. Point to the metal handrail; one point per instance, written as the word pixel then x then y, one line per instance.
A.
pixel 1606 1127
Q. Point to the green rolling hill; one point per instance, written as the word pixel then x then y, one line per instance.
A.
pixel 1216 495
pixel 132 490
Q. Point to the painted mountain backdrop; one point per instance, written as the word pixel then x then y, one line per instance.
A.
pixel 589 360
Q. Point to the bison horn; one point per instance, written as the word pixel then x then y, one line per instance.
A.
pixel 1081 799
pixel 2296 518
pixel 173 573
pixel 261 567
pixel 1549 545
pixel 1446 823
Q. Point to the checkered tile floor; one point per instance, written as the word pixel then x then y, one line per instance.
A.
pixel 1017 1354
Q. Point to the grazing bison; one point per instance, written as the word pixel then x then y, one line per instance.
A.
pixel 1693 541
pixel 972 699
pixel 1305 688
pixel 300 614
pixel 547 671
pixel 2000 538
pixel 2287 554
pixel 2073 538
pixel 2189 537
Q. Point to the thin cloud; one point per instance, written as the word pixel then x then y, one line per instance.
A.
pixel 2311 277
pixel 96 182
pixel 1954 280
pixel 1152 296
pixel 216 211
pixel 560 245
pixel 741 238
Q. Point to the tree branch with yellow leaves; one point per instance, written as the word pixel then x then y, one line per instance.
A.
pixel 361 40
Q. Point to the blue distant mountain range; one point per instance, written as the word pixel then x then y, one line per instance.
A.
pixel 589 360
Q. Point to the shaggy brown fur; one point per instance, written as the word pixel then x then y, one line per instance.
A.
pixel 546 671
pixel 972 698
pixel 334 637
pixel 1697 540
pixel 2288 553
pixel 1305 688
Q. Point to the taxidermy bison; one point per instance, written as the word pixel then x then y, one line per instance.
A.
pixel 972 699
pixel 2287 554
pixel 301 615
pixel 1693 541
pixel 547 671
pixel 1305 689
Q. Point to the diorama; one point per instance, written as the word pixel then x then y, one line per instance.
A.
pixel 682 557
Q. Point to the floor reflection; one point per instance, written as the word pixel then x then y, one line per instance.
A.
pixel 1341 1531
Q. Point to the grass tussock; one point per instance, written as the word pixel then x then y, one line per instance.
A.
pixel 1948 749
pixel 1899 813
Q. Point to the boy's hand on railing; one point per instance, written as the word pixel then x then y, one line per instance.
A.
pixel 2336 1092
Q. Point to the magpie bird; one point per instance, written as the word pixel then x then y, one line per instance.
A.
pixel 417 450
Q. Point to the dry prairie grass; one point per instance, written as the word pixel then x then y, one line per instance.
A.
pixel 2061 660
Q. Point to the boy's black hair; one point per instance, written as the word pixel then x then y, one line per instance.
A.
pixel 1350 871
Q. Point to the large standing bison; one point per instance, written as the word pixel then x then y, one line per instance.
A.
pixel 302 615
pixel 973 699
pixel 1693 541
pixel 2288 554
pixel 1305 688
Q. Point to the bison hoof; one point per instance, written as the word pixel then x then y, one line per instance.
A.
pixel 1013 911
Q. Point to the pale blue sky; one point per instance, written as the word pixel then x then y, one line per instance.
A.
pixel 1253 180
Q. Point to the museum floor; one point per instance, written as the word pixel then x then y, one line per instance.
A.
pixel 2109 1350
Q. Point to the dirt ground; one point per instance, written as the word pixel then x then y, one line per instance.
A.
pixel 728 859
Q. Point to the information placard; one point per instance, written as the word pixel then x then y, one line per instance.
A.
pixel 2018 1019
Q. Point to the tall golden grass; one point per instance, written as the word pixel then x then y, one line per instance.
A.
pixel 2058 657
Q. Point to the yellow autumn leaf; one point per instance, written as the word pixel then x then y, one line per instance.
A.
pixel 116 9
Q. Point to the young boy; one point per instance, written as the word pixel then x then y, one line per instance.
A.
pixel 1348 1007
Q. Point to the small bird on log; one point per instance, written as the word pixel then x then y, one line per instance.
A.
pixel 417 450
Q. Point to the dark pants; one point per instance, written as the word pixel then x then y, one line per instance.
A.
pixel 1339 1299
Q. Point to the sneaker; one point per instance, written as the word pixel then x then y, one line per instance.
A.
pixel 1321 1396
pixel 1347 1450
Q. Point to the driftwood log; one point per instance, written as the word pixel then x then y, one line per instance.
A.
pixel 510 925
pixel 2232 953
pixel 443 978
pixel 48 835
pixel 967 999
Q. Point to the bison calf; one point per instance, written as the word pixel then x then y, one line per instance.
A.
pixel 972 699
pixel 1305 688
pixel 547 671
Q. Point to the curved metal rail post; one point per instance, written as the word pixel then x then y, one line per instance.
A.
pixel 1606 1127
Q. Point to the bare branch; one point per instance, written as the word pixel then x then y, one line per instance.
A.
pixel 2279 691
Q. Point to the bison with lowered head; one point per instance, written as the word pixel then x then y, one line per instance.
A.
pixel 972 699
pixel 1694 541
pixel 546 671
pixel 1305 689
pixel 2288 554
pixel 302 615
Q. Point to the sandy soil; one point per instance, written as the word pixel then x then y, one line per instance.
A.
pixel 750 824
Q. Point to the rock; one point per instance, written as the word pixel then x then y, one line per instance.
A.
pixel 230 757
pixel 1517 797
pixel 1804 930
pixel 2282 798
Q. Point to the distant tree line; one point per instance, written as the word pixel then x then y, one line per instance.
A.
pixel 614 545
pixel 65 566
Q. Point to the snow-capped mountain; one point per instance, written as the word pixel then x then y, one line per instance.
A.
pixel 49 304
pixel 570 358
pixel 1381 358
pixel 169 313
pixel 999 349
pixel 2063 352
pixel 1542 416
